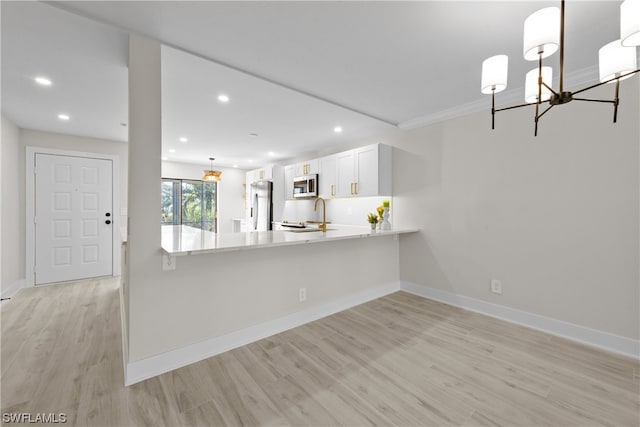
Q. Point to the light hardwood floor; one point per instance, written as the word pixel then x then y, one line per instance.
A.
pixel 398 360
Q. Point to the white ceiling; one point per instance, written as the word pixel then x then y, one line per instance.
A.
pixel 366 65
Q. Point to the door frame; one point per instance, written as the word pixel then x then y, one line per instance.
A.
pixel 30 205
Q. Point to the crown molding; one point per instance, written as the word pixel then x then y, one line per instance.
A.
pixel 512 96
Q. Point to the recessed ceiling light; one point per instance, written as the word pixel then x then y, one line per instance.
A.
pixel 337 129
pixel 223 98
pixel 250 161
pixel 172 150
pixel 271 153
pixel 43 81
pixel 165 158
pixel 183 139
pixel 63 116
pixel 235 166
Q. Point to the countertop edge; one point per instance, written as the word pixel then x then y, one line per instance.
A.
pixel 357 235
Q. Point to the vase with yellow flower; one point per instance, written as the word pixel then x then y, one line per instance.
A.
pixel 380 211
pixel 385 225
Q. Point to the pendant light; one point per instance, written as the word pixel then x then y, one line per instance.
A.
pixel 543 36
pixel 210 175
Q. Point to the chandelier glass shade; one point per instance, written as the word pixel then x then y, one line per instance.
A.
pixel 531 85
pixel 630 23
pixel 211 175
pixel 494 74
pixel 543 36
pixel 542 33
pixel 615 61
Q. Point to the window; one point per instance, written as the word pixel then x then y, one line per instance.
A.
pixel 189 202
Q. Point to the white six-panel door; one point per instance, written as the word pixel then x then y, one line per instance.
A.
pixel 73 218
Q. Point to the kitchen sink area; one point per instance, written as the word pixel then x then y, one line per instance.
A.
pixel 306 230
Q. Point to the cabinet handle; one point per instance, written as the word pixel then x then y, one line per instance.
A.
pixel 333 190
pixel 355 186
pixel 352 188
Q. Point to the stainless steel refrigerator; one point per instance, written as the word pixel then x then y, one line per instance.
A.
pixel 261 206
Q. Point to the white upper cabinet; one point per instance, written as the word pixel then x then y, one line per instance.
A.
pixel 309 167
pixel 327 184
pixel 367 172
pixel 289 175
pixel 265 173
pixel 345 173
pixel 361 172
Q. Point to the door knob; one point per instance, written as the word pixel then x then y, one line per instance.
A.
pixel 107 214
pixel 108 222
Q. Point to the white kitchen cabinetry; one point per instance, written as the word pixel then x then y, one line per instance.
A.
pixel 327 184
pixel 289 175
pixel 361 172
pixel 345 173
pixel 306 168
pixel 252 176
pixel 265 173
pixel 364 172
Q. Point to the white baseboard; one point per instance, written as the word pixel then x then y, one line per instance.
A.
pixel 606 341
pixel 124 324
pixel 150 367
pixel 13 288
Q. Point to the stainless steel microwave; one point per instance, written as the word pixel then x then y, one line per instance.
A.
pixel 305 186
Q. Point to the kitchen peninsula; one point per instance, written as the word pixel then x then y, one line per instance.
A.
pixel 180 240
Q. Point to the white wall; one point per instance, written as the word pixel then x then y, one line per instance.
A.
pixel 556 217
pixel 12 207
pixel 214 294
pixel 230 189
pixel 14 143
pixel 348 211
pixel 32 138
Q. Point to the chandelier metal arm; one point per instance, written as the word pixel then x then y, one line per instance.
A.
pixel 561 46
pixel 528 104
pixel 538 116
pixel 595 100
pixel 497 74
pixel 606 81
pixel 544 112
pixel 550 88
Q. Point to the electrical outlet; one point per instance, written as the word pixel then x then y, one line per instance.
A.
pixel 168 262
pixel 496 286
pixel 303 294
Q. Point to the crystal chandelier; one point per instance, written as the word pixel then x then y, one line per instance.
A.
pixel 543 35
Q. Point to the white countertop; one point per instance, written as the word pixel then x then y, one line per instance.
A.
pixel 180 240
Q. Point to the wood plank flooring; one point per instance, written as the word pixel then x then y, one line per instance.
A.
pixel 398 360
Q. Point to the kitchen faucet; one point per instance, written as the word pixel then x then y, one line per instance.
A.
pixel 322 226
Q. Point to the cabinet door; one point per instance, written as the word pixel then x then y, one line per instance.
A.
pixel 309 167
pixel 345 174
pixel 312 167
pixel 267 173
pixel 254 175
pixel 366 165
pixel 327 176
pixel 289 175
